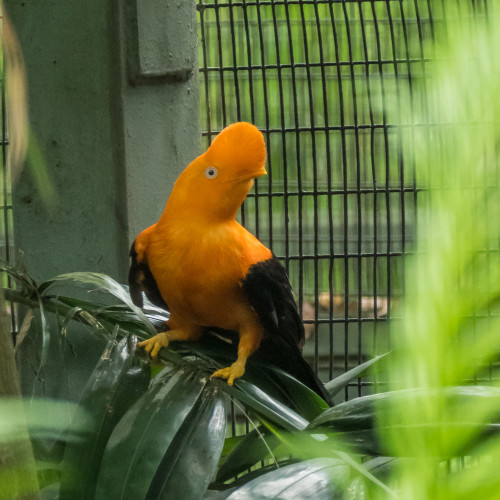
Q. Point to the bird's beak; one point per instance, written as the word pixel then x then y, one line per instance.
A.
pixel 260 172
pixel 253 174
pixel 250 175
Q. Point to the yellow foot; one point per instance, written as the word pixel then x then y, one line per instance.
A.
pixel 236 370
pixel 154 344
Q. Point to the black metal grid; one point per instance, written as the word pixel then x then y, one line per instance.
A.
pixel 5 183
pixel 330 83
pixel 324 81
pixel 6 219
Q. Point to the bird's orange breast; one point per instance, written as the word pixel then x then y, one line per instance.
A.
pixel 198 271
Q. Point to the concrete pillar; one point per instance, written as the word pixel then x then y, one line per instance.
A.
pixel 113 101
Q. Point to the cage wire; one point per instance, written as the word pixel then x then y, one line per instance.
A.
pixel 338 206
pixel 6 219
pixel 325 81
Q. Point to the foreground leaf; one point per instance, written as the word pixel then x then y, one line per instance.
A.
pixel 357 419
pixel 155 428
pixel 255 446
pixel 292 392
pixel 264 405
pixel 320 478
pixel 191 460
pixel 100 282
pixel 223 351
pixel 339 383
pixel 43 417
pixel 118 380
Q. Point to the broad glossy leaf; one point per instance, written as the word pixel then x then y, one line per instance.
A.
pixel 299 397
pixel 218 495
pixel 357 419
pixel 263 404
pixel 190 462
pixel 339 383
pixel 48 473
pixel 218 353
pixel 275 382
pixel 318 479
pixel 382 466
pixel 255 446
pixel 355 414
pixel 359 413
pixel 118 380
pixel 140 441
pixel 248 393
pixel 112 314
pixel 230 444
pixel 211 346
pixel 104 283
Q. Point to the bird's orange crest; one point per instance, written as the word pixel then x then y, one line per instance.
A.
pixel 215 184
pixel 240 145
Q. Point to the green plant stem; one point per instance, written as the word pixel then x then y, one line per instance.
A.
pixel 17 465
pixel 48 305
pixel 19 298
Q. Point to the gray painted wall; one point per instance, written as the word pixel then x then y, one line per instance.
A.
pixel 114 106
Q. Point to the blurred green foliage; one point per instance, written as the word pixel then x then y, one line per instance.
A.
pixel 433 435
pixel 450 331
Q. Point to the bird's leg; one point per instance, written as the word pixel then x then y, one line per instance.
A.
pixel 248 344
pixel 154 344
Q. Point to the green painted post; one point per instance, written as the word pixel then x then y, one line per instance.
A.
pixel 113 101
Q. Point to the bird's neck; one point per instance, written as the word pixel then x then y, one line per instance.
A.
pixel 222 207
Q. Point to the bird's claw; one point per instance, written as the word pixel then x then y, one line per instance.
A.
pixel 236 370
pixel 154 344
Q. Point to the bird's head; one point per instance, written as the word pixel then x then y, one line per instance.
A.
pixel 217 182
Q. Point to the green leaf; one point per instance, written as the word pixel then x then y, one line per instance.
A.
pixel 43 417
pixel 299 397
pixel 109 315
pixel 20 275
pixel 357 419
pixel 118 380
pixel 308 446
pixel 191 460
pixel 263 404
pixel 47 473
pixel 339 383
pixel 382 466
pixel 273 381
pixel 260 389
pixel 104 283
pixel 255 446
pixel 142 438
pixel 318 479
pixel 355 414
pixel 230 444
pixel 218 495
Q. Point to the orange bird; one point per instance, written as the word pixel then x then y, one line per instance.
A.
pixel 211 271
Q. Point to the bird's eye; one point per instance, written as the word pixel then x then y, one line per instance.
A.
pixel 211 173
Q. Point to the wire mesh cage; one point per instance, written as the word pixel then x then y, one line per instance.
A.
pixel 324 81
pixel 338 88
pixel 5 183
pixel 6 218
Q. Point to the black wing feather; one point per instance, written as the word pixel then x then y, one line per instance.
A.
pixel 267 289
pixel 140 279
